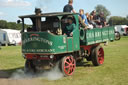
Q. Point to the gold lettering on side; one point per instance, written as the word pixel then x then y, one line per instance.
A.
pixel 38 50
pixel 37 39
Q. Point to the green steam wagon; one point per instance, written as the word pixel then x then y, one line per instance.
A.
pixel 44 43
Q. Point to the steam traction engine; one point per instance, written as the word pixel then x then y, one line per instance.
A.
pixel 44 43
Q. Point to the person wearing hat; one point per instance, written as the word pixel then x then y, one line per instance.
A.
pixel 70 28
pixel 69 7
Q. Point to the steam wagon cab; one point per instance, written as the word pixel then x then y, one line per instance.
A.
pixel 44 43
pixel 47 42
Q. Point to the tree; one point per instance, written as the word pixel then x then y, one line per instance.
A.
pixel 127 16
pixel 101 8
pixel 117 20
pixel 19 26
pixel 11 25
pixel 3 24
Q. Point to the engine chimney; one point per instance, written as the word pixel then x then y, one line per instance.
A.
pixel 37 11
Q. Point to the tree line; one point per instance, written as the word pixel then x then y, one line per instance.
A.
pixel 118 20
pixel 10 25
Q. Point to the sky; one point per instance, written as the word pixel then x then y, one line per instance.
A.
pixel 11 9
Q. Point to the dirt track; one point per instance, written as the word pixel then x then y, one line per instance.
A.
pixel 4 74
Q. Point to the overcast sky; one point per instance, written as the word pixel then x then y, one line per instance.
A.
pixel 11 9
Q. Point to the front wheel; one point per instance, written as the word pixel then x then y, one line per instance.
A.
pixel 97 56
pixel 68 65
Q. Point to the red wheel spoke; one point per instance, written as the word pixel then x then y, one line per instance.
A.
pixel 73 64
pixel 67 66
pixel 71 70
pixel 101 60
pixel 67 62
pixel 68 70
pixel 100 56
pixel 70 60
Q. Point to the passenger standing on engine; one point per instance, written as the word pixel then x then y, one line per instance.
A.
pixel 69 7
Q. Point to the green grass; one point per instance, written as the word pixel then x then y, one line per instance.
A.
pixel 11 58
pixel 114 71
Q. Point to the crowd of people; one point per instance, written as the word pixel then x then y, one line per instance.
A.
pixel 87 20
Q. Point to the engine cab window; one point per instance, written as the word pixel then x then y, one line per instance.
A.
pixel 51 24
pixel 28 24
pixel 68 25
pixel 56 25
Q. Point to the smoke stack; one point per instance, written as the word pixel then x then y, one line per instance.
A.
pixel 37 11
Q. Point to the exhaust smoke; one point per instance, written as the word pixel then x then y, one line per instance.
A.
pixel 53 74
pixel 43 4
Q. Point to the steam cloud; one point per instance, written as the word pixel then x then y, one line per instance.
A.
pixel 43 4
pixel 53 74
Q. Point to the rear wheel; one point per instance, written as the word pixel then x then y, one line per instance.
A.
pixel 29 67
pixel 68 65
pixel 97 56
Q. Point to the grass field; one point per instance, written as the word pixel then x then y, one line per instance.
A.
pixel 114 71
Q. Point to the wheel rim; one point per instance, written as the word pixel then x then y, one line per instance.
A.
pixel 69 65
pixel 101 56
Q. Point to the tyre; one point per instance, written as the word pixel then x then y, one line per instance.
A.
pixel 97 56
pixel 89 58
pixel 117 36
pixel 68 65
pixel 29 67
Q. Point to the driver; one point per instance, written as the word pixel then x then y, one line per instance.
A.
pixel 70 28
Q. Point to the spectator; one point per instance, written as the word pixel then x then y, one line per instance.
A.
pixel 69 7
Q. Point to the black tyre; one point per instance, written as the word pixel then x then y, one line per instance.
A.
pixel 68 65
pixel 29 67
pixel 117 36
pixel 89 58
pixel 97 56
